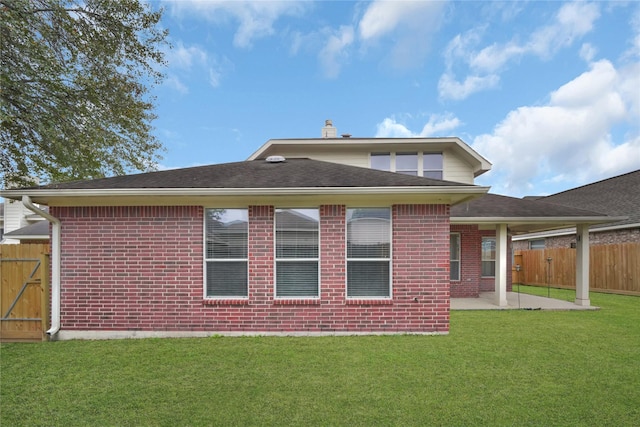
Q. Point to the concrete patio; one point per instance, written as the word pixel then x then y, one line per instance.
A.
pixel 515 301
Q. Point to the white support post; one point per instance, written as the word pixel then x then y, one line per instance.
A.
pixel 582 265
pixel 501 265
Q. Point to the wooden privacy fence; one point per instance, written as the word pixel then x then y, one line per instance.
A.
pixel 612 268
pixel 24 292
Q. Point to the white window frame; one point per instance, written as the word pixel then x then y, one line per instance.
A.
pixel 423 169
pixel 420 157
pixel 417 155
pixel 380 154
pixel 206 260
pixel 388 259
pixel 458 258
pixel 276 259
pixel 482 258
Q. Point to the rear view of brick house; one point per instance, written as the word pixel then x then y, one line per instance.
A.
pixel 308 236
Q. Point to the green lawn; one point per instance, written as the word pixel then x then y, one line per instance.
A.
pixel 494 368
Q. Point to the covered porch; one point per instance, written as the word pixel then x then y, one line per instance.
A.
pixel 510 216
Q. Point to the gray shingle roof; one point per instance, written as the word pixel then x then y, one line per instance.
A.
pixel 616 196
pixel 305 173
pixel 496 206
pixel 40 228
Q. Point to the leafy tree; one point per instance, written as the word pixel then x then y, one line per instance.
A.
pixel 74 88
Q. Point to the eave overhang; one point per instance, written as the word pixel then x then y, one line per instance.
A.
pixel 230 197
pixel 522 225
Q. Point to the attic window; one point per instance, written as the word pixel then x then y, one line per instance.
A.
pixel 432 165
pixel 407 163
pixel 381 161
pixel 429 165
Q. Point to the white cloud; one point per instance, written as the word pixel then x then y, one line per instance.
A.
pixel 572 21
pixel 437 125
pixel 569 138
pixel 184 57
pixel 588 52
pixel 175 83
pixel 188 62
pixel 383 17
pixel 634 50
pixel 389 128
pixel 450 88
pixel 334 53
pixel 407 25
pixel 255 19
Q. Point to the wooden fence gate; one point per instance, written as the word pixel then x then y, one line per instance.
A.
pixel 24 292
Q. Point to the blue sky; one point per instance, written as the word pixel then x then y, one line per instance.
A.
pixel 549 92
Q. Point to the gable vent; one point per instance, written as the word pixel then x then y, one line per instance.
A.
pixel 275 159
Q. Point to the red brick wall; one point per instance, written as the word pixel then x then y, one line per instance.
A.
pixel 470 243
pixel 141 268
pixel 471 283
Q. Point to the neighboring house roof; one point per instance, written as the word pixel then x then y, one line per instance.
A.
pixel 522 215
pixel 616 196
pixel 478 163
pixel 36 231
pixel 255 179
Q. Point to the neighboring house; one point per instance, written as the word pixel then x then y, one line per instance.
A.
pixel 617 196
pixel 37 232
pixel 21 225
pixel 305 237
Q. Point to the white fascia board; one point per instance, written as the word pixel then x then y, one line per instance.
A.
pixel 45 196
pixel 30 237
pixel 570 231
pixel 537 219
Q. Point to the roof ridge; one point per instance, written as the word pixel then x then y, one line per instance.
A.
pixel 590 184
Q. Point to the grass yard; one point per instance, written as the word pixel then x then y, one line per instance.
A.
pixel 494 368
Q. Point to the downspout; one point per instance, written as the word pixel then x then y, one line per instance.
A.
pixel 55 263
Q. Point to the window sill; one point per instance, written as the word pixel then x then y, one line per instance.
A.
pixel 369 302
pixel 225 302
pixel 296 301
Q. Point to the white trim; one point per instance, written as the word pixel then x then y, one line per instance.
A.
pixel 459 260
pixel 276 259
pixel 347 259
pixel 205 260
pixel 109 335
pixel 571 231
pixel 77 192
pixel 495 259
pixel 535 220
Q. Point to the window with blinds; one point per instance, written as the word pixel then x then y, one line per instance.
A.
pixel 226 256
pixel 488 257
pixel 454 257
pixel 297 253
pixel 369 253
